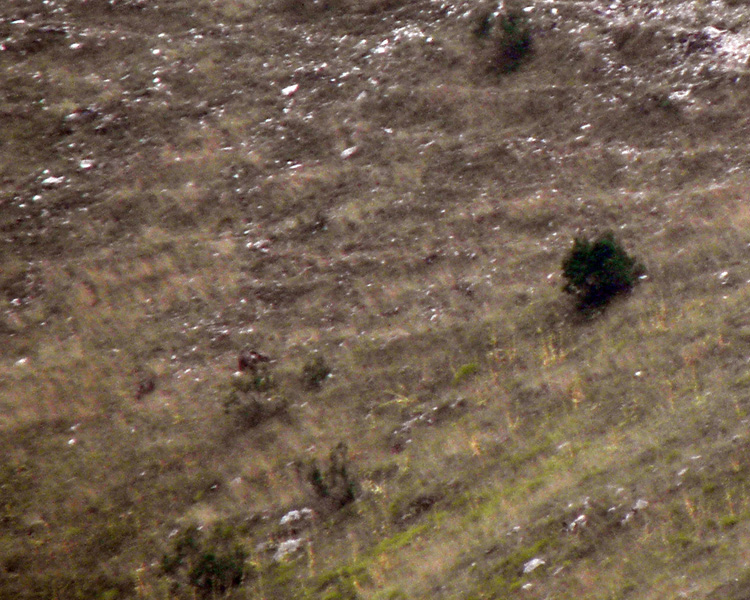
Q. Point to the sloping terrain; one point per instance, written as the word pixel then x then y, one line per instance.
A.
pixel 345 188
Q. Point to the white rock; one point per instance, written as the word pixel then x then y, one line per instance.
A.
pixel 578 522
pixel 52 181
pixel 349 152
pixel 533 564
pixel 290 90
pixel 291 517
pixel 287 547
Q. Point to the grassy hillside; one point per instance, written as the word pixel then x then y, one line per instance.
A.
pixel 360 192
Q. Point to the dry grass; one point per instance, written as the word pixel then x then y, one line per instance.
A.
pixel 182 180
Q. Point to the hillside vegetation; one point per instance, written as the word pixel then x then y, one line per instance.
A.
pixel 282 311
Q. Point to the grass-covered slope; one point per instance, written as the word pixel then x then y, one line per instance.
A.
pixel 356 191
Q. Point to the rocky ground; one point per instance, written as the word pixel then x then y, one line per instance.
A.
pixel 351 191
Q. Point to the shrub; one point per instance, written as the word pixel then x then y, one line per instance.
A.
pixel 597 271
pixel 314 372
pixel 253 372
pixel 208 566
pixel 509 35
pixel 336 485
pixel 250 410
pixel 245 404
pixel 514 42
pixel 214 573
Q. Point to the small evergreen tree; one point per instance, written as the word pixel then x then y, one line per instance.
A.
pixel 504 34
pixel 514 42
pixel 597 271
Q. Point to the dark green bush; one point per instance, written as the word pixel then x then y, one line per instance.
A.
pixel 206 565
pixel 315 371
pixel 508 35
pixel 597 271
pixel 216 573
pixel 334 485
pixel 514 42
